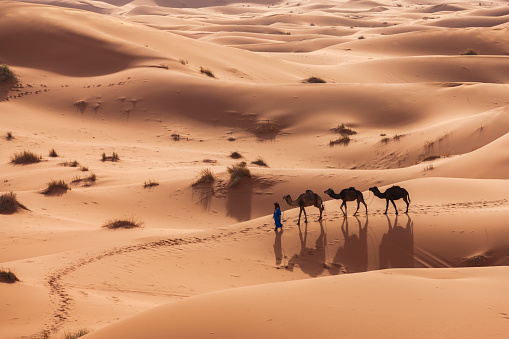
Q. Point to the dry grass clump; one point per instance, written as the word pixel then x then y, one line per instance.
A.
pixel 150 184
pixel 73 163
pixel 84 168
pixel 314 80
pixel 205 177
pixel 79 333
pixel 87 181
pixel 260 162
pixel 25 158
pixel 343 130
pixel 469 51
pixel 235 155
pixel 207 72
pixel 175 137
pixel 53 153
pixel 343 140
pixel 9 136
pixel 9 203
pixel 266 127
pixel 237 172
pixel 122 223
pixel 477 260
pixel 81 105
pixel 56 188
pixel 7 276
pixel 7 74
pixel 113 157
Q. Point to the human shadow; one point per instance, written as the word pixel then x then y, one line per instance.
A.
pixel 310 260
pixel 353 255
pixel 397 245
pixel 278 249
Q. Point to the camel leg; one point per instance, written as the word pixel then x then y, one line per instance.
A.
pixel 305 216
pixel 300 212
pixel 386 206
pixel 343 204
pixel 321 210
pixel 358 204
pixel 393 204
pixel 365 206
pixel 407 204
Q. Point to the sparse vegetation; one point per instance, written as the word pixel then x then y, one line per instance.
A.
pixel 431 158
pixel 175 137
pixel 231 139
pixel 81 105
pixel 207 72
pixel 79 333
pixel 385 140
pixel 56 188
pixel 477 260
pixel 183 61
pixel 315 80
pixel 397 137
pixel 205 177
pixel 84 168
pixel 53 153
pixel 235 155
pixel 73 163
pixel 266 127
pixel 469 51
pixel 361 37
pixel 150 184
pixel 7 74
pixel 122 223
pixel 209 161
pixel 113 157
pixel 237 172
pixel 7 276
pixel 87 181
pixel 9 203
pixel 429 167
pixel 343 130
pixel 260 162
pixel 25 158
pixel 343 140
pixel 9 136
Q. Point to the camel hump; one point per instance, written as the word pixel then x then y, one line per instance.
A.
pixel 396 187
pixel 352 189
pixel 309 191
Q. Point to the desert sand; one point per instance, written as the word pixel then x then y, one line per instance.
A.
pixel 421 86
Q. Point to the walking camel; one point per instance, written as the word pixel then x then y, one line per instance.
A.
pixel 391 194
pixel 348 194
pixel 306 199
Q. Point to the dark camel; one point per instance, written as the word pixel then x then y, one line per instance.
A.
pixel 391 194
pixel 306 199
pixel 350 194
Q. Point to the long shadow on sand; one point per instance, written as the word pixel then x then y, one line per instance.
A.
pixel 397 245
pixel 353 255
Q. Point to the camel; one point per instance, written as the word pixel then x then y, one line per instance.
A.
pixel 391 194
pixel 306 199
pixel 349 194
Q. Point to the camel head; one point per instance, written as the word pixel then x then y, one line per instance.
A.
pixel 374 189
pixel 287 198
pixel 329 191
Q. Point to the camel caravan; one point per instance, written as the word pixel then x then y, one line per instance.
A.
pixel 309 198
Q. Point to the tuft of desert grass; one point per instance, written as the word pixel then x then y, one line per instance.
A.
pixel 56 188
pixel 207 72
pixel 205 177
pixel 175 137
pixel 76 334
pixel 314 80
pixel 53 153
pixel 343 130
pixel 113 157
pixel 9 203
pixel 237 172
pixel 73 163
pixel 235 155
pixel 7 74
pixel 7 276
pixel 84 168
pixel 9 136
pixel 25 158
pixel 344 140
pixel 122 224
pixel 469 51
pixel 264 127
pixel 150 184
pixel 260 162
pixel 87 181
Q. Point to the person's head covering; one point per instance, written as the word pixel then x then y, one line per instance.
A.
pixel 276 205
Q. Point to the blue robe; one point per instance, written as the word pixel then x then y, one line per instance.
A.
pixel 277 218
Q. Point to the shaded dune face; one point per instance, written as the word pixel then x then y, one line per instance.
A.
pixel 174 128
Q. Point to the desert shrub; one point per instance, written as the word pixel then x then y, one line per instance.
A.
pixel 53 153
pixel 7 276
pixel 207 72
pixel 7 74
pixel 266 127
pixel 396 137
pixel 385 140
pixel 73 163
pixel 84 168
pixel 231 139
pixel 469 51
pixel 56 187
pixel 9 203
pixel 25 158
pixel 205 177
pixel 343 130
pixel 183 61
pixel 9 136
pixel 79 333
pixel 235 155
pixel 113 157
pixel 175 137
pixel 260 162
pixel 343 140
pixel 361 37
pixel 238 171
pixel 122 223
pixel 210 161
pixel 81 105
pixel 315 80
pixel 150 184
pixel 87 181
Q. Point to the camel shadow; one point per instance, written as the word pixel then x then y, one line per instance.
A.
pixel 353 255
pixel 397 245
pixel 310 260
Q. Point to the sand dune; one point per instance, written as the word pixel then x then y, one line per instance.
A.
pixel 174 88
